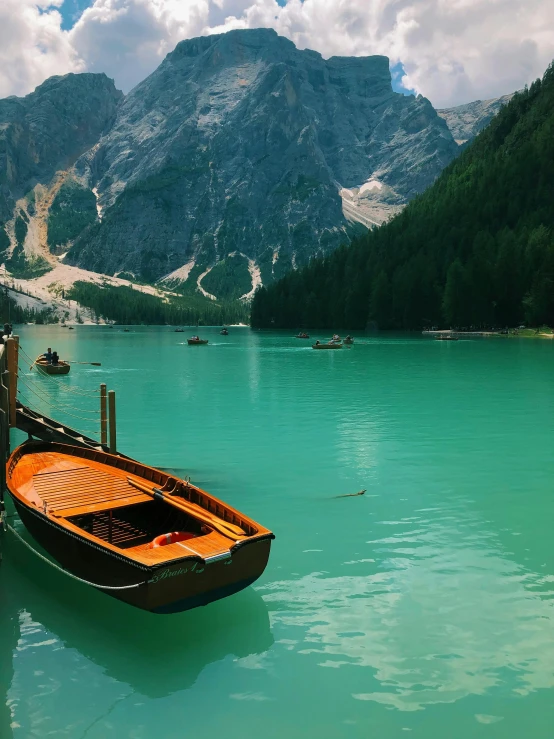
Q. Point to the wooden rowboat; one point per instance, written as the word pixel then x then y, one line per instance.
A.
pixel 330 345
pixel 62 368
pixel 192 342
pixel 115 523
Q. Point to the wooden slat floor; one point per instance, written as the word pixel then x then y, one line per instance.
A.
pixel 82 490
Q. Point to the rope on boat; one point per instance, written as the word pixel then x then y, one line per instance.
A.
pixel 33 406
pixel 65 572
pixel 48 398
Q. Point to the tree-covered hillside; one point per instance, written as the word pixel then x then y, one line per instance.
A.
pixel 129 306
pixel 477 248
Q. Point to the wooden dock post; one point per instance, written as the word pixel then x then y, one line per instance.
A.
pixel 103 415
pixel 111 407
pixel 12 346
pixel 4 407
pixel 4 434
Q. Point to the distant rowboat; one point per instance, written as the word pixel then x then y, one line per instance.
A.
pixel 196 340
pixel 330 345
pixel 134 532
pixel 62 368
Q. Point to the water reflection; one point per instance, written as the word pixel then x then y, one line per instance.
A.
pixel 437 611
pixel 152 655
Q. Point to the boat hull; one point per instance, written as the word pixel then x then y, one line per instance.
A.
pixel 53 369
pixel 327 346
pixel 190 342
pixel 166 588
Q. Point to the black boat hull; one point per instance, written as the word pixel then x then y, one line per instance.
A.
pixel 172 587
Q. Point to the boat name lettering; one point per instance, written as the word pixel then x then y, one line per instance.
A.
pixel 164 574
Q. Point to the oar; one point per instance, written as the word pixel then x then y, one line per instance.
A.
pixel 71 361
pixel 225 528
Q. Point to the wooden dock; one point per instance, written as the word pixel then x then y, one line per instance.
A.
pixel 37 425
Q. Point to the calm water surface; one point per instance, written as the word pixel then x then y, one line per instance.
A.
pixel 423 609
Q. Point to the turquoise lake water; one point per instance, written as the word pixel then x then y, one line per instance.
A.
pixel 423 609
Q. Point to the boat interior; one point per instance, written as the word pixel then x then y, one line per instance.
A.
pixel 138 524
pixel 98 495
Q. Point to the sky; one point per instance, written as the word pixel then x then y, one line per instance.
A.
pixel 451 51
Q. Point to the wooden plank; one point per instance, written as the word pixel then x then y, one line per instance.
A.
pixel 79 510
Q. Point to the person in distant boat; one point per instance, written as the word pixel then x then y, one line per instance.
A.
pixel 55 358
pixel 48 355
pixel 317 343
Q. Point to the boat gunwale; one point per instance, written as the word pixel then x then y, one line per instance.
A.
pixel 41 361
pixel 43 364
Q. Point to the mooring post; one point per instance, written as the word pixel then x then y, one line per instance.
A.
pixel 103 415
pixel 4 438
pixel 111 407
pixel 4 429
pixel 5 408
pixel 12 345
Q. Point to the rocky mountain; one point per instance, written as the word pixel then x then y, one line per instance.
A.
pixel 466 121
pixel 49 129
pixel 41 137
pixel 242 156
pixel 238 158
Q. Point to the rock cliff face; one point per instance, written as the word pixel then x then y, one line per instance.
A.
pixel 49 129
pixel 466 121
pixel 240 145
pixel 238 158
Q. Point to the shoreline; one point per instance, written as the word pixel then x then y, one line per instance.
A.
pixel 527 333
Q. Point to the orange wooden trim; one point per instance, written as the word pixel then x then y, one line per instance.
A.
pixel 72 481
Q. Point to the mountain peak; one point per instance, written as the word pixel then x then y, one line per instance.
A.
pixel 246 154
pixel 249 40
pixel 78 80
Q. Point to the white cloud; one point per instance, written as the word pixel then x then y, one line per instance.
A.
pixel 32 45
pixel 127 39
pixel 453 50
